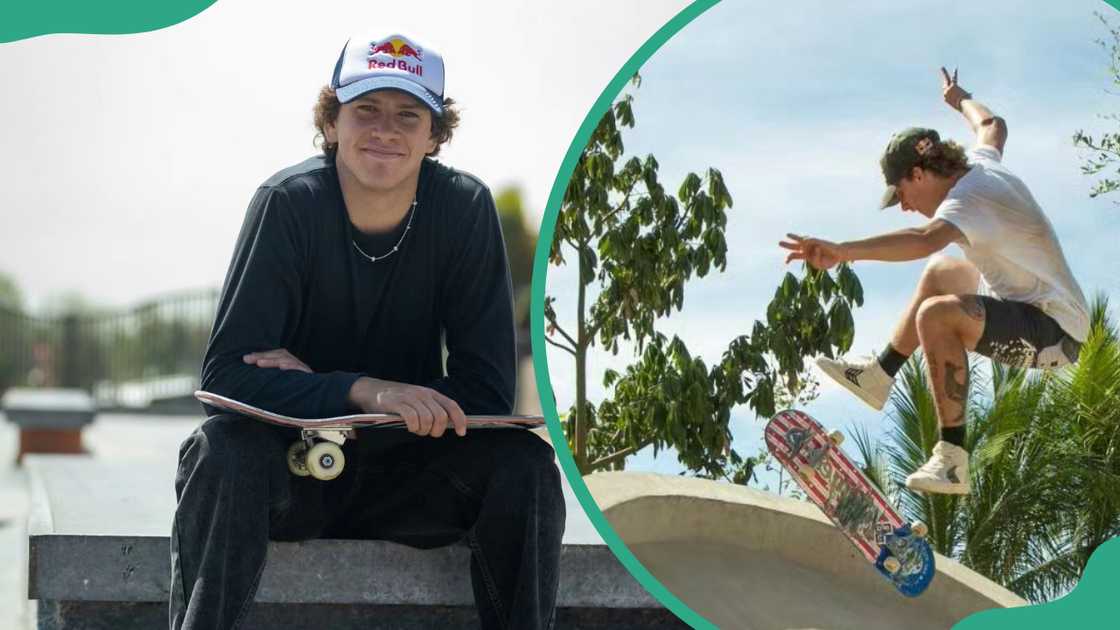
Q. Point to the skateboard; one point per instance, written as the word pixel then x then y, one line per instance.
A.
pixel 896 549
pixel 318 452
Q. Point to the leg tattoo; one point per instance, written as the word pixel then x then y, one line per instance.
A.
pixel 973 307
pixel 956 391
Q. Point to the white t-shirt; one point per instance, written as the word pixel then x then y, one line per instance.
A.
pixel 1012 243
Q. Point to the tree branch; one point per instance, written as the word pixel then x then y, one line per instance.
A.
pixel 556 325
pixel 625 203
pixel 623 454
pixel 592 331
pixel 560 345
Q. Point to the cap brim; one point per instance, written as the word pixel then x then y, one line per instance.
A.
pixel 347 93
pixel 890 198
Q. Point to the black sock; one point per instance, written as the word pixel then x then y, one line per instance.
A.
pixel 953 435
pixel 891 360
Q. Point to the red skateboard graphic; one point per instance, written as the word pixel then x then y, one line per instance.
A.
pixel 898 550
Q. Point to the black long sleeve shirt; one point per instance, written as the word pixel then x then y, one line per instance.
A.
pixel 296 281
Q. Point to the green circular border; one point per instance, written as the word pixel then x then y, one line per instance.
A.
pixel 988 620
pixel 536 312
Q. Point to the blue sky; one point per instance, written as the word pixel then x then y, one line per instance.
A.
pixel 794 105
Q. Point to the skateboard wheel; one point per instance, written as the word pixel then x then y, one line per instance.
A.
pixel 297 459
pixel 325 461
pixel 836 437
pixel 892 565
pixel 919 529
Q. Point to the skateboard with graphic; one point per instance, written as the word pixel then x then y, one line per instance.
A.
pixel 898 550
pixel 318 452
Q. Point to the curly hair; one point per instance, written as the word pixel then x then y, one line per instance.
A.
pixel 326 113
pixel 945 158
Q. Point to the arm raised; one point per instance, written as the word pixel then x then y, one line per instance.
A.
pixel 989 128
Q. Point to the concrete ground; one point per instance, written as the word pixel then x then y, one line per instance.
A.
pixel 146 440
pixel 13 535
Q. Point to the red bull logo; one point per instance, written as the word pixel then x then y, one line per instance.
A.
pixel 399 50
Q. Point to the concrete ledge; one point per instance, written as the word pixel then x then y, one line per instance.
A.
pixel 111 616
pixel 137 569
pixel 48 408
pixel 99 533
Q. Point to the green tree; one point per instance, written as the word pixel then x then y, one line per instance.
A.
pixel 1045 471
pixel 641 244
pixel 12 343
pixel 10 295
pixel 521 242
pixel 1103 151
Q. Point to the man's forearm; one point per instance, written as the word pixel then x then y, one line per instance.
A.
pixel 976 113
pixel 290 392
pixel 903 245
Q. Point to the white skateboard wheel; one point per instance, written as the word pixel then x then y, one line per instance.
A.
pixel 836 437
pixel 325 461
pixel 919 529
pixel 892 565
pixel 297 459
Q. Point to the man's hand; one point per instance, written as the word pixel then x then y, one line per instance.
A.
pixel 279 358
pixel 425 411
pixel 989 128
pixel 950 91
pixel 818 253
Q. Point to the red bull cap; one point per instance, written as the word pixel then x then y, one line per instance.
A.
pixel 392 62
pixel 904 152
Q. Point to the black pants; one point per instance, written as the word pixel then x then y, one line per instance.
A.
pixel 496 489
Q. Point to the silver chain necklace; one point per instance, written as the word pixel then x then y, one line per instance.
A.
pixel 373 259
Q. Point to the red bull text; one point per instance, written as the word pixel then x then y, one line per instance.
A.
pixel 399 64
pixel 398 51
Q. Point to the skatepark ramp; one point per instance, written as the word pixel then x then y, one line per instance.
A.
pixel 751 560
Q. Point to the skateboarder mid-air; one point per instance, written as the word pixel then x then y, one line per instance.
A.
pixel 1013 298
pixel 353 271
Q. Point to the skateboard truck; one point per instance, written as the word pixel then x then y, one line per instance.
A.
pixel 890 559
pixel 318 453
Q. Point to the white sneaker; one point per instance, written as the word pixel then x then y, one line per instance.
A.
pixel 864 377
pixel 946 472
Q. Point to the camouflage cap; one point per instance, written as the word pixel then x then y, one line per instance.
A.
pixel 903 153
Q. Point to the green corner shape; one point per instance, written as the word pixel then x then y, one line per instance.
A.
pixel 21 19
pixel 1086 607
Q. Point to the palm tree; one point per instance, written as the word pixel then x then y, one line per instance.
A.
pixel 1083 408
pixel 1045 465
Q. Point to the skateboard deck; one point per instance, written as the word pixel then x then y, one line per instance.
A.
pixel 898 550
pixel 318 453
pixel 390 421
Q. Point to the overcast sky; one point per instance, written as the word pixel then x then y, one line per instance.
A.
pixel 128 160
pixel 794 104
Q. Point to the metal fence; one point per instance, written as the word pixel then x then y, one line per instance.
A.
pixel 124 359
pixel 150 354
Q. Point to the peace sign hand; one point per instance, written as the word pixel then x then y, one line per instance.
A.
pixel 950 91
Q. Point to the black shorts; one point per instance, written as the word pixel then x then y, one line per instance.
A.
pixel 1021 335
